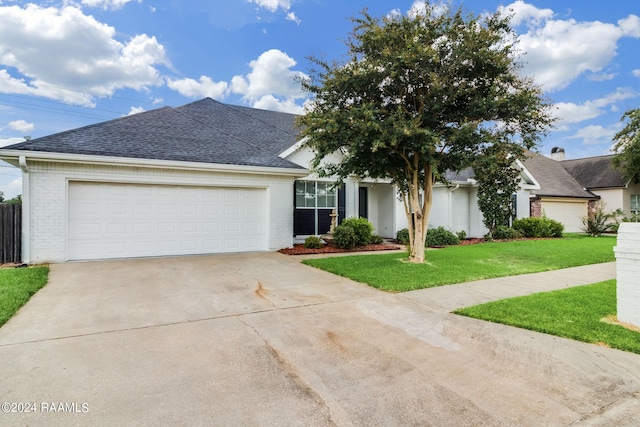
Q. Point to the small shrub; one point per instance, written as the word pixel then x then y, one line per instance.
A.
pixel 441 237
pixel 435 237
pixel 313 242
pixel 600 222
pixel 538 227
pixel 461 234
pixel 376 240
pixel 506 233
pixel 344 236
pixel 402 236
pixel 363 229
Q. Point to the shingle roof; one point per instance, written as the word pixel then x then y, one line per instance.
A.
pixel 595 172
pixel 204 131
pixel 553 178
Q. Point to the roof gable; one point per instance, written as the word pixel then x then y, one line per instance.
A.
pixel 553 178
pixel 205 131
pixel 595 172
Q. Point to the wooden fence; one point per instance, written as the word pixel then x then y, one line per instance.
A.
pixel 10 233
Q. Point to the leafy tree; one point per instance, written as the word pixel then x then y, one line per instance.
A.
pixel 498 180
pixel 416 96
pixel 1 197
pixel 628 146
pixel 15 201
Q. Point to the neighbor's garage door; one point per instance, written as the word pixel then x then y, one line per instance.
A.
pixel 108 220
pixel 568 213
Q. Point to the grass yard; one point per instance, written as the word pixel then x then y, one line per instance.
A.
pixel 574 313
pixel 17 285
pixel 457 264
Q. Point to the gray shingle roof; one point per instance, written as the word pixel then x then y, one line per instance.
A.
pixel 553 178
pixel 595 172
pixel 204 131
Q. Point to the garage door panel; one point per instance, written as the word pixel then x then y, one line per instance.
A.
pixel 108 220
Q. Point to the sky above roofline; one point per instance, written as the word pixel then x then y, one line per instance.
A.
pixel 66 64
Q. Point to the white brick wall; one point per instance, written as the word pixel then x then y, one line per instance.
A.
pixel 628 273
pixel 48 184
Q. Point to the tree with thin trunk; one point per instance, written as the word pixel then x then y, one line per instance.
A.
pixel 419 95
pixel 627 146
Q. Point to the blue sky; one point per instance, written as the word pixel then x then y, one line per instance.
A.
pixel 66 64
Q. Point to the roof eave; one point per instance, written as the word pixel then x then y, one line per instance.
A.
pixel 12 157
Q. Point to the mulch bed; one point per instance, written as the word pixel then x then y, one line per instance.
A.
pixel 299 249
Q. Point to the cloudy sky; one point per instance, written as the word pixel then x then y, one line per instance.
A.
pixel 66 64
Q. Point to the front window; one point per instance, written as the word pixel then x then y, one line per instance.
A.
pixel 315 202
pixel 311 194
pixel 635 203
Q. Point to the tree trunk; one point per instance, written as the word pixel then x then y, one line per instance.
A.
pixel 418 213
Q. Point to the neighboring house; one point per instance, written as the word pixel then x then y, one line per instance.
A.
pixel 599 176
pixel 559 196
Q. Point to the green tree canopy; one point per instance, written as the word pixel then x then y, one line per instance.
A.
pixel 627 146
pixel 417 96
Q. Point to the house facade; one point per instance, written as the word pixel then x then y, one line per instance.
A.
pixel 208 177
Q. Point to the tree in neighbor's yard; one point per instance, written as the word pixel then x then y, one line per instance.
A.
pixel 419 95
pixel 498 179
pixel 627 146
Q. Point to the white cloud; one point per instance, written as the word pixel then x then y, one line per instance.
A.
pixel 271 84
pixel 595 134
pixel 525 13
pixel 559 51
pixel 83 60
pixel 636 72
pixel 271 74
pixel 291 16
pixel 601 77
pixel 569 112
pixel 205 87
pixel 273 5
pixel 107 4
pixel 21 126
pixel 135 110
pixel 13 188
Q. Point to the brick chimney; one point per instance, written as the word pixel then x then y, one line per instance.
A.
pixel 557 154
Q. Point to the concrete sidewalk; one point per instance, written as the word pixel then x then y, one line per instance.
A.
pixel 452 297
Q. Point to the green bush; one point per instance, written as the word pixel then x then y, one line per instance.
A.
pixel 402 236
pixel 441 237
pixel 376 240
pixel 538 227
pixel 344 236
pixel 435 237
pixel 363 229
pixel 506 233
pixel 313 242
pixel 461 234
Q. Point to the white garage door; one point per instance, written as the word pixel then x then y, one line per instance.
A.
pixel 568 213
pixel 108 220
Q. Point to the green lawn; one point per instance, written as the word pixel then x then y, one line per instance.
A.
pixel 17 285
pixel 457 264
pixel 574 313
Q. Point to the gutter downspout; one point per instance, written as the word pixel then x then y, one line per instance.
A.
pixel 26 217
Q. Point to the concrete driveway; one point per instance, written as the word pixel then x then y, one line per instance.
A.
pixel 259 339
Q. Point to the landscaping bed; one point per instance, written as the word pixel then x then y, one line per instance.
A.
pixel 299 249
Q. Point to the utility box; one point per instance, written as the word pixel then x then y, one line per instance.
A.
pixel 628 273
